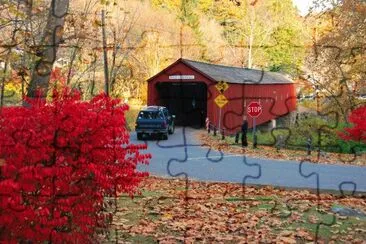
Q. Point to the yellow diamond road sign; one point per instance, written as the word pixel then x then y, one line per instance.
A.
pixel 222 86
pixel 221 101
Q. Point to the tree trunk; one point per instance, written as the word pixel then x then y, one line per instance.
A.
pixel 250 54
pixel 48 48
pixel 251 37
pixel 105 55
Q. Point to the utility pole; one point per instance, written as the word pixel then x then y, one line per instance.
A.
pixel 105 54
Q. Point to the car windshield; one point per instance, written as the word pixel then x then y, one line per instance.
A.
pixel 150 115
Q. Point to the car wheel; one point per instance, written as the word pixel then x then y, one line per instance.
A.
pixel 171 131
pixel 139 136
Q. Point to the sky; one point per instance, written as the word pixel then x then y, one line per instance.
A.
pixel 302 5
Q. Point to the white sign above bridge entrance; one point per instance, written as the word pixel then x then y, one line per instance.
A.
pixel 181 77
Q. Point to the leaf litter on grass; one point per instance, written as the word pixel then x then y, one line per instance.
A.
pixel 270 152
pixel 214 212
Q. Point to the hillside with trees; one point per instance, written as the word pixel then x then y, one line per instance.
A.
pixel 142 37
pixel 75 43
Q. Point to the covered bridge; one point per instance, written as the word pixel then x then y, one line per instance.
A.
pixel 188 89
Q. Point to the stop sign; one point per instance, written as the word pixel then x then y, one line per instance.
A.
pixel 254 109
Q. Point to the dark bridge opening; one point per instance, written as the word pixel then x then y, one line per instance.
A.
pixel 186 100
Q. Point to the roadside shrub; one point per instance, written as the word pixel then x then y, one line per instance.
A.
pixel 59 161
pixel 353 139
pixel 358 131
pixel 315 128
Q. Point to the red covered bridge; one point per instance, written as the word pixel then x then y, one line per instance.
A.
pixel 188 89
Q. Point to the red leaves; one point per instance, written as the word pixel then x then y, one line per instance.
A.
pixel 358 131
pixel 58 161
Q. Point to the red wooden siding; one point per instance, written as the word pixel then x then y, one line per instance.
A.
pixel 276 100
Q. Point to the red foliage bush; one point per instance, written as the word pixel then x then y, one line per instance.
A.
pixel 61 160
pixel 358 131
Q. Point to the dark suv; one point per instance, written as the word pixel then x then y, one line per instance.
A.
pixel 154 120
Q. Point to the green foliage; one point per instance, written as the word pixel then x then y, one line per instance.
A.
pixel 12 93
pixel 226 14
pixel 272 28
pixel 184 9
pixel 188 15
pixel 283 53
pixel 286 50
pixel 315 128
pixel 108 2
pixel 263 138
pixel 205 6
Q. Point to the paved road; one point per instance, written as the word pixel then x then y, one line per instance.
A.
pixel 182 155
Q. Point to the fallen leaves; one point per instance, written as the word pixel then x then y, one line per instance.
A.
pixel 283 154
pixel 219 213
pixel 287 240
pixel 303 234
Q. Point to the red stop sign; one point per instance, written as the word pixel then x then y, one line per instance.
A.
pixel 254 109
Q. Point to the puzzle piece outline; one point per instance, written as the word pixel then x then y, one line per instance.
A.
pixel 185 145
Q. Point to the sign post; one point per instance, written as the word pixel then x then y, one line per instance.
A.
pixel 220 120
pixel 254 109
pixel 221 100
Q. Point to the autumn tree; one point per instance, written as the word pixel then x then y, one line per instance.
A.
pixel 20 25
pixel 87 71
pixel 189 18
pixel 262 34
pixel 48 47
pixel 336 63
